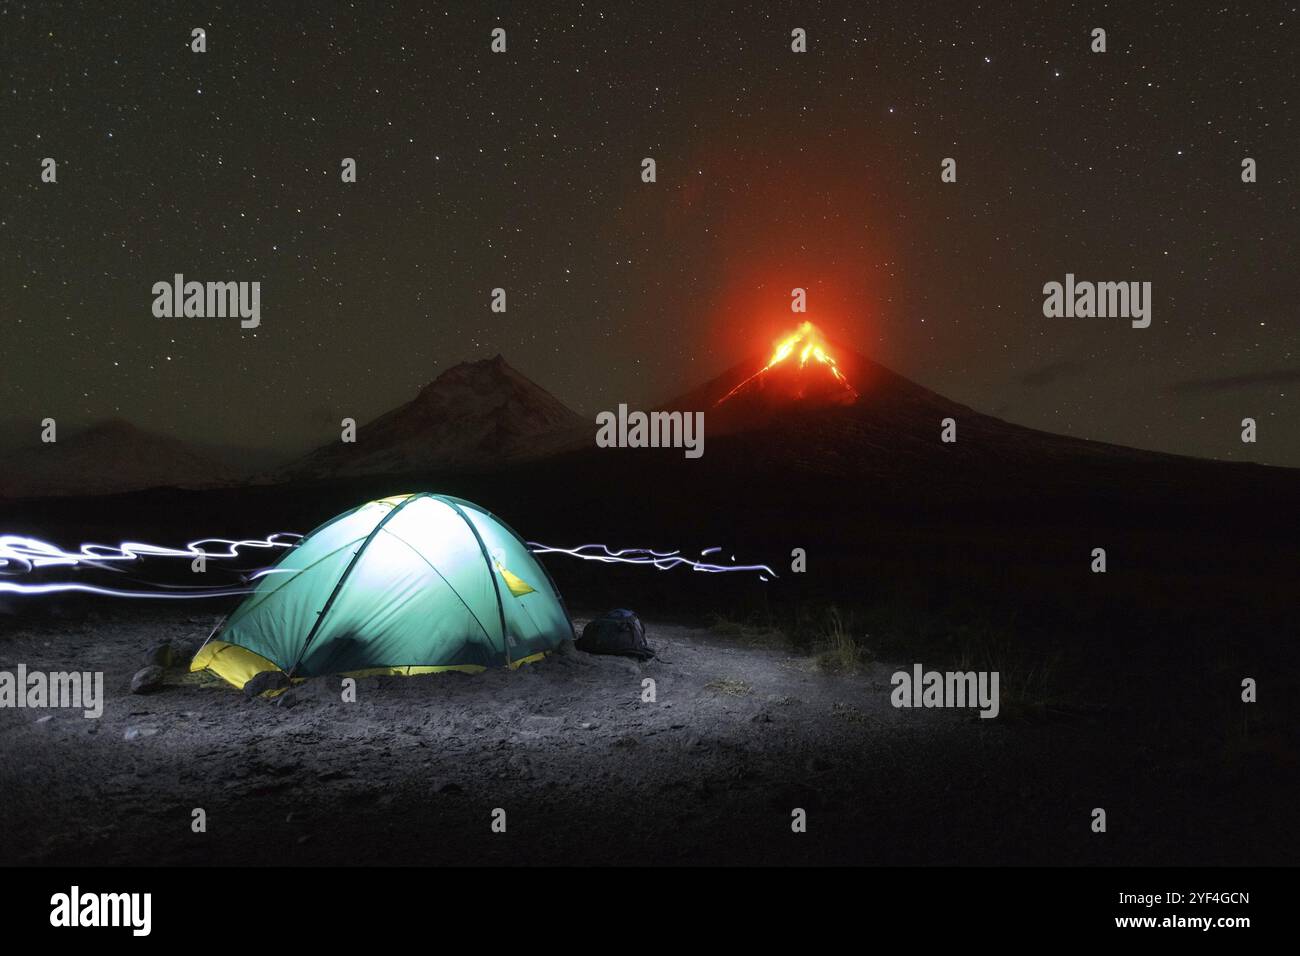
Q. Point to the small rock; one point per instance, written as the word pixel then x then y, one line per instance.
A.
pixel 159 655
pixel 288 699
pixel 522 766
pixel 183 651
pixel 451 787
pixel 47 717
pixel 135 733
pixel 266 680
pixel 147 679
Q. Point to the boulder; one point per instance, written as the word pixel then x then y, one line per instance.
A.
pixel 147 679
pixel 159 654
pixel 265 681
pixel 183 651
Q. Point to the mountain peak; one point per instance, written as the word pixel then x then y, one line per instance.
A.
pixel 114 428
pixel 488 373
pixel 472 413
pixel 495 363
pixel 109 456
pixel 802 368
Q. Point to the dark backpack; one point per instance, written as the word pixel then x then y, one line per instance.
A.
pixel 618 632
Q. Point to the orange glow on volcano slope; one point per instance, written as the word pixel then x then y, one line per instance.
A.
pixel 802 346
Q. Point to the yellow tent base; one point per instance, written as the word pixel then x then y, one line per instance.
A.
pixel 232 663
pixel 237 665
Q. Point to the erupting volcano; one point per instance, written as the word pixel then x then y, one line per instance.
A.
pixel 801 367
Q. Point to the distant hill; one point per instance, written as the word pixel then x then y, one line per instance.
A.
pixel 473 414
pixel 106 458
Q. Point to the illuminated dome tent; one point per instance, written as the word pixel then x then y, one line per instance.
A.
pixel 412 584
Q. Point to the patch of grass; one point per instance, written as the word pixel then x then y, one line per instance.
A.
pixel 906 628
pixel 1241 728
pixel 750 632
pixel 848 712
pixel 837 650
pixel 1027 681
pixel 204 679
pixel 728 685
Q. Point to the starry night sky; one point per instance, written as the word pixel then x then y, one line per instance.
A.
pixel 775 170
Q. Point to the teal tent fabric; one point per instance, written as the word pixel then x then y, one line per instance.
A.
pixel 412 581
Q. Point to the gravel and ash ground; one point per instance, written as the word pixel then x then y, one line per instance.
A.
pixel 742 732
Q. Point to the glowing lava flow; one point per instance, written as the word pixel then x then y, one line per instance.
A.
pixel 807 342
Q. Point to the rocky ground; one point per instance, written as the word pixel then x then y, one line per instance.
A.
pixel 741 732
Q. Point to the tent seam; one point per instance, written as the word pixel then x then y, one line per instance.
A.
pixel 338 586
pixel 450 586
pixel 487 559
